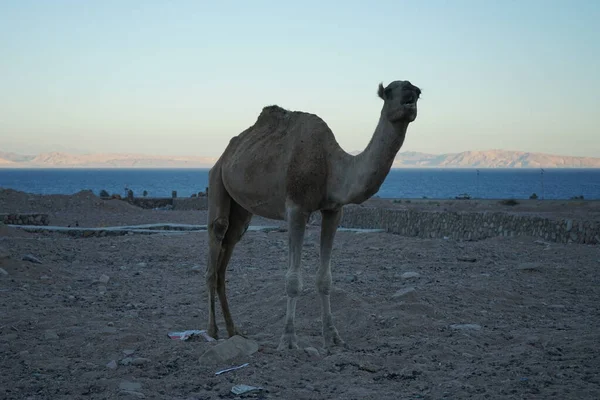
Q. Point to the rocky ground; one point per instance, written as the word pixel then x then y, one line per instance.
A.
pixel 495 319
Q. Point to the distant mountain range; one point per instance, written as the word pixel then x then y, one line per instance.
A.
pixel 467 159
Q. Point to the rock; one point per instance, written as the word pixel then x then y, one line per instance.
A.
pixel 30 258
pixel 311 351
pixel 104 279
pixel 229 349
pixel 532 266
pixel 130 386
pixel 126 361
pixel 465 327
pixel 112 364
pixel 132 393
pixel 197 268
pixel 128 352
pixel 141 265
pixel 9 337
pixel 110 323
pixel 410 275
pixel 368 367
pixel 351 278
pixel 466 259
pixel 140 361
pixel 50 335
pixel 404 293
pixel 3 272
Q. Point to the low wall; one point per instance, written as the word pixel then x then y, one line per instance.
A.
pixel 24 219
pixel 190 203
pixel 470 226
pixel 151 202
pixel 178 203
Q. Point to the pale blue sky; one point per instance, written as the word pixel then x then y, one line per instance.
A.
pixel 183 77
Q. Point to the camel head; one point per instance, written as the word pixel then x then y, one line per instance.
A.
pixel 400 101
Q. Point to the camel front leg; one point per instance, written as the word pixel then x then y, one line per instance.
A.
pixel 329 224
pixel 296 228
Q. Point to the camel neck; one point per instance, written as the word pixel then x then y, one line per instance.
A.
pixel 368 170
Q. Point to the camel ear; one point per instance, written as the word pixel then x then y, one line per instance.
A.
pixel 381 91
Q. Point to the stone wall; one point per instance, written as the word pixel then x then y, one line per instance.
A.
pixel 470 226
pixel 24 219
pixel 190 203
pixel 151 202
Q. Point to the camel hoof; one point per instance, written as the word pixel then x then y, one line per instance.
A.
pixel 213 333
pixel 288 342
pixel 332 339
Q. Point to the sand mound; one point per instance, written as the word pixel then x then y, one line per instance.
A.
pixel 13 201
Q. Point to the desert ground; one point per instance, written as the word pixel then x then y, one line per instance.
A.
pixel 502 318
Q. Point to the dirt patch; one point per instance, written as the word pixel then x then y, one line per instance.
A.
pixel 479 329
pixel 423 318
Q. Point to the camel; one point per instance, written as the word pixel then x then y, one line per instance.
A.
pixel 287 166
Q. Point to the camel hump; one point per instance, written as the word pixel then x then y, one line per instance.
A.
pixel 273 113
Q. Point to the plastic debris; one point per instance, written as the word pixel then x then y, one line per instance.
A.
pixel 185 335
pixel 231 369
pixel 241 389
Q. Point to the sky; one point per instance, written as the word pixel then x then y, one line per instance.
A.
pixel 183 77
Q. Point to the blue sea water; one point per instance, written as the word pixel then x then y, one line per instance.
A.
pixel 400 183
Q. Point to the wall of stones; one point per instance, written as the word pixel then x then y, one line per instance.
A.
pixel 24 219
pixel 190 203
pixel 470 226
pixel 151 202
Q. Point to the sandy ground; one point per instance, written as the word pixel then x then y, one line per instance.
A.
pixel 533 310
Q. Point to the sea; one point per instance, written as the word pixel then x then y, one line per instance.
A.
pixel 400 183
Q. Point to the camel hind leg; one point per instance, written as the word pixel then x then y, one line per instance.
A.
pixel 227 222
pixel 219 204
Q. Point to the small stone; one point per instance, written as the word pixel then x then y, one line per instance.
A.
pixel 3 272
pixel 128 352
pixel 108 330
pixel 133 393
pixel 311 351
pixel 141 265
pixel 24 353
pixel 110 323
pixel 406 292
pixel 131 386
pixel 410 275
pixel 140 361
pixel 466 259
pixel 369 367
pixel 351 278
pixel 126 361
pixel 532 266
pixel 31 258
pixel 112 364
pixel 9 337
pixel 466 327
pixel 197 268
pixel 44 277
pixel 50 335
pixel 71 297
pixel 104 279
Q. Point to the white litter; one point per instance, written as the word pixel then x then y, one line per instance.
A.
pixel 241 389
pixel 231 369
